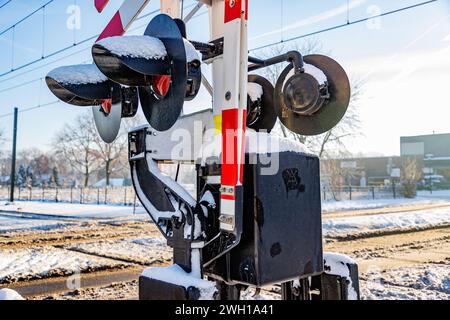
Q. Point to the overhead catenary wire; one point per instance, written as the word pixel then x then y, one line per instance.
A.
pixel 56 52
pixel 30 108
pixel 339 26
pixel 20 85
pixel 251 50
pixel 25 18
pixel 43 31
pixel 1 6
pixel 39 106
pixel 62 58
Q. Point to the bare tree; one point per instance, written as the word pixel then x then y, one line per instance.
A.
pixel 334 175
pixel 410 175
pixel 333 141
pixel 76 145
pixel 110 155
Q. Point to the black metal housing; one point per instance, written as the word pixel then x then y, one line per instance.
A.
pixel 162 114
pixel 282 229
pixel 267 116
pixel 86 94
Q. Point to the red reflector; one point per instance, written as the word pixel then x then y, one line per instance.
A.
pixel 161 85
pixel 106 105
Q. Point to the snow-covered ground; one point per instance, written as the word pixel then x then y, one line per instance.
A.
pixel 430 281
pixel 22 264
pixel 30 215
pixel 388 221
pixel 443 194
pixel 21 216
pixel 14 224
pixel 347 205
pixel 69 210
pixel 140 250
pixel 423 282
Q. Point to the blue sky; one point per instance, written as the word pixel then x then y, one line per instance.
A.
pixel 403 58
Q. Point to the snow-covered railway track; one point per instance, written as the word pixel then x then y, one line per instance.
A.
pixel 385 232
pixel 86 232
pixel 385 210
pixel 51 286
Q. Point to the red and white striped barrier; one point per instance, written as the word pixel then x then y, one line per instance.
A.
pixel 234 106
pixel 123 18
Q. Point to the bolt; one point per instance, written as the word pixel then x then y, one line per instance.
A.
pixel 228 96
pixel 232 3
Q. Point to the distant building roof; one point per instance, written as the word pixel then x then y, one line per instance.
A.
pixel 432 145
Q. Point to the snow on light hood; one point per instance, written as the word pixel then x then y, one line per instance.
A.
pixel 78 74
pixel 146 47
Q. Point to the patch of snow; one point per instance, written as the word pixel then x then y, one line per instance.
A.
pixel 140 250
pixel 360 224
pixel 196 263
pixel 264 143
pixel 53 210
pixel 209 199
pixel 197 228
pixel 20 264
pixel 421 277
pixel 435 194
pixel 255 91
pixel 15 224
pixel 191 53
pixel 8 294
pixel 78 74
pixel 346 205
pixel 176 275
pixel 416 282
pixel 318 74
pixel 146 47
pixel 260 143
pixel 378 291
pixel 336 264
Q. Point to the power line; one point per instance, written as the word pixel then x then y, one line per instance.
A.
pixel 45 65
pixel 5 3
pixel 20 85
pixel 251 50
pixel 25 18
pixel 30 108
pixel 343 25
pixel 67 56
pixel 65 48
pixel 39 106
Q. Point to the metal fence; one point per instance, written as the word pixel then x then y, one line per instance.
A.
pixel 109 195
pixel 361 193
pixel 126 195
